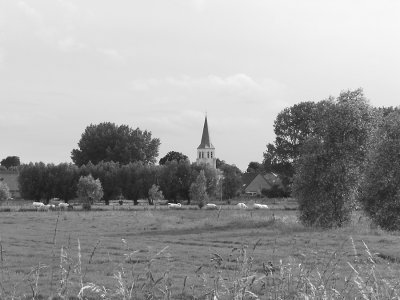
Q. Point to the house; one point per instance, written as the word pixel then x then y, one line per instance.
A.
pixel 254 183
pixel 11 179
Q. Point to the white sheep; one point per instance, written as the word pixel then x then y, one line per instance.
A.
pixel 173 205
pixel 38 204
pixel 63 205
pixel 50 206
pixel 260 206
pixel 211 206
pixel 241 205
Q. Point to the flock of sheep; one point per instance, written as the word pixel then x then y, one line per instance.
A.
pixel 214 206
pixel 42 206
pixel 62 206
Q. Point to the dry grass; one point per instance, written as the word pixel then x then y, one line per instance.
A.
pixel 192 254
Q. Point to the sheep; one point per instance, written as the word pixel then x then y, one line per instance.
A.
pixel 38 204
pixel 50 206
pixel 241 205
pixel 63 205
pixel 211 206
pixel 173 205
pixel 70 207
pixel 260 206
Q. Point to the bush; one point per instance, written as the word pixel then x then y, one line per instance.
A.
pixel 380 189
pixel 155 194
pixel 4 191
pixel 89 190
pixel 198 190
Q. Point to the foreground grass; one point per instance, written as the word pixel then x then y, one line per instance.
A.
pixel 158 254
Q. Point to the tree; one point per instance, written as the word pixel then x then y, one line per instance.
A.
pixel 109 142
pixel 331 160
pixel 4 191
pixel 10 161
pixel 89 191
pixel 380 189
pixel 292 126
pixel 198 190
pixel 171 156
pixel 254 167
pixel 220 163
pixel 211 177
pixel 155 194
pixel 231 181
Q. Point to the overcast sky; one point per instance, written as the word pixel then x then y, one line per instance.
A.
pixel 161 64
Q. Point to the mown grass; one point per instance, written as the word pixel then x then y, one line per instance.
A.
pixel 192 254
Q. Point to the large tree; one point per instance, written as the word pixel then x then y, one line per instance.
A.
pixel 330 164
pixel 231 181
pixel 173 155
pixel 292 126
pixel 10 161
pixel 110 142
pixel 380 189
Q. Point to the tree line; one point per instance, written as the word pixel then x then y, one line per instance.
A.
pixel 132 181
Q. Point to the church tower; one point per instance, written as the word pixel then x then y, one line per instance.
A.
pixel 206 150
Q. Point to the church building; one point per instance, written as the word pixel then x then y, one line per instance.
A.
pixel 206 150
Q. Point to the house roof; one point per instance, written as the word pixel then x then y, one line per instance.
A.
pixel 247 178
pixel 205 138
pixel 270 178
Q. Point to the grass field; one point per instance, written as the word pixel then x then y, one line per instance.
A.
pixel 192 254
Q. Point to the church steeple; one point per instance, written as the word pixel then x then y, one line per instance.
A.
pixel 205 138
pixel 206 150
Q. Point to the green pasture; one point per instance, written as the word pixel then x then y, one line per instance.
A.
pixel 147 253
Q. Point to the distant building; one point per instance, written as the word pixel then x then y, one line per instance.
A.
pixel 11 179
pixel 254 183
pixel 206 150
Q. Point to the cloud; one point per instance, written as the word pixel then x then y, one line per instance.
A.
pixel 30 11
pixel 69 44
pixel 199 5
pixel 2 56
pixel 211 89
pixel 69 6
pixel 111 54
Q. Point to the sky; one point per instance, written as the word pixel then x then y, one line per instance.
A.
pixel 162 65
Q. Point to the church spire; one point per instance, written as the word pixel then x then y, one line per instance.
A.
pixel 205 138
pixel 206 150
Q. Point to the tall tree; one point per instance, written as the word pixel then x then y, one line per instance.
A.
pixel 380 188
pixel 173 155
pixel 231 181
pixel 110 142
pixel 292 126
pixel 10 161
pixel 198 190
pixel 331 159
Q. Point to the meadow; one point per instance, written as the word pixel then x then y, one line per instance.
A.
pixel 156 253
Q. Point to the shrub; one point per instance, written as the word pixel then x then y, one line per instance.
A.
pixel 89 190
pixel 198 190
pixel 155 194
pixel 4 191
